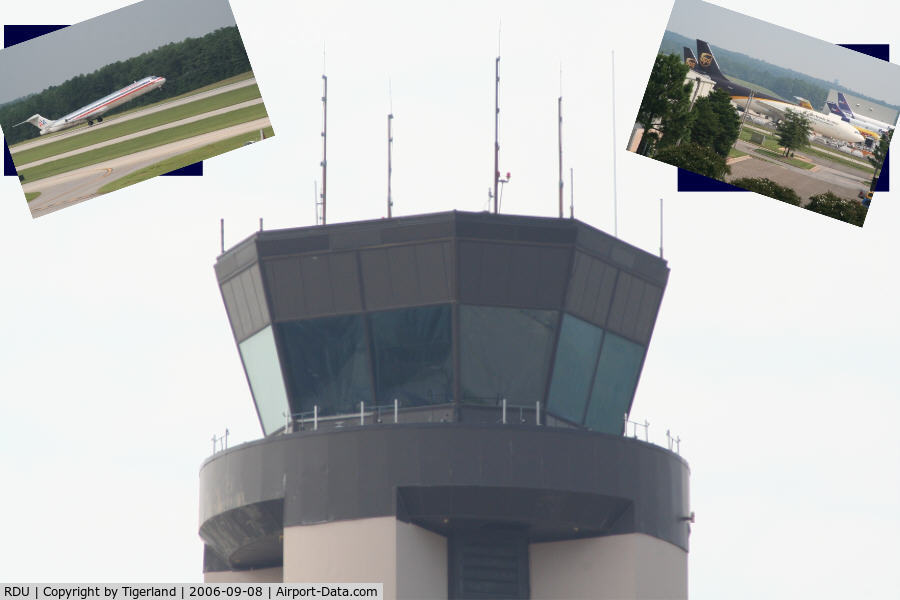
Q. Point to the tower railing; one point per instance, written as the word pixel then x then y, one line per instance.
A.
pixel 504 413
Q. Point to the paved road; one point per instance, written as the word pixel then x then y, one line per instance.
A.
pixel 77 186
pixel 122 118
pixel 803 181
pixel 138 134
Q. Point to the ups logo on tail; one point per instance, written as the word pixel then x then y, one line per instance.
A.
pixel 690 62
pixel 705 59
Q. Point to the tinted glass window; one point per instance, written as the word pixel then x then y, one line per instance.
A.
pixel 411 355
pixel 264 372
pixel 505 353
pixel 617 374
pixel 326 364
pixel 576 357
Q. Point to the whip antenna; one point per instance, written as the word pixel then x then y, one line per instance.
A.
pixel 390 119
pixel 324 140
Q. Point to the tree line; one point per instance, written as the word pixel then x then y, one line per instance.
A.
pixel 784 82
pixel 187 65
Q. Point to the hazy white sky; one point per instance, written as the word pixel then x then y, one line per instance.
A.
pixel 117 35
pixel 774 358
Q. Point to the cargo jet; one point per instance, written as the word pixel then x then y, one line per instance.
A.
pixel 844 107
pixel 828 125
pixel 94 111
pixel 863 127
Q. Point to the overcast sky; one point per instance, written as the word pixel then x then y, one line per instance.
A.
pixel 774 357
pixel 117 35
pixel 787 48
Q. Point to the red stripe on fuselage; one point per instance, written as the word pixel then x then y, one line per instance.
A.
pixel 116 99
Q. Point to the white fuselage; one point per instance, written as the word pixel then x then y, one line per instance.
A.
pixel 99 107
pixel 828 125
pixel 844 107
pixel 865 128
pixel 872 124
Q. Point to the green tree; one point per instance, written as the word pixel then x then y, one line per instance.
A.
pixel 696 158
pixel 716 123
pixel 677 127
pixel 878 155
pixel 666 103
pixel 793 131
pixel 830 205
pixel 769 188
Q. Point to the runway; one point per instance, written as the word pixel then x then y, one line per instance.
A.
pixel 138 134
pixel 82 184
pixel 165 105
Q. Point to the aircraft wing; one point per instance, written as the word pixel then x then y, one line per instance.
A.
pixel 775 109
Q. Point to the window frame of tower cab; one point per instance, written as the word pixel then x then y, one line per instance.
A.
pixel 444 401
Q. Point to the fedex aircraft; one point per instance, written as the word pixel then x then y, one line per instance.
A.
pixel 828 125
pixel 94 111
pixel 844 107
pixel 864 127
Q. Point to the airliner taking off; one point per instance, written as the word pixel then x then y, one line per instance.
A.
pixel 828 125
pixel 94 111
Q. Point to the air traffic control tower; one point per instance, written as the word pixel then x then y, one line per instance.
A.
pixel 442 400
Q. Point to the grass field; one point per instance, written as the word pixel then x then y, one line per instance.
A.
pixel 145 142
pixel 838 159
pixel 114 130
pixel 734 153
pixel 771 143
pixel 182 160
pixel 113 116
pixel 791 161
pixel 29 196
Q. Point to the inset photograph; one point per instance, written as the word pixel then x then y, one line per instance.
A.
pixel 769 110
pixel 126 96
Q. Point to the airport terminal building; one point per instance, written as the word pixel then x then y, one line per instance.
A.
pixel 443 401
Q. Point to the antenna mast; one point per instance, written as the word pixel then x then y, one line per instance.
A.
pixel 660 227
pixel 324 141
pixel 496 132
pixel 390 118
pixel 559 102
pixel 571 193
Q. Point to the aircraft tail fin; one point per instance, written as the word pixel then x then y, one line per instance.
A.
pixel 844 105
pixel 689 59
pixel 836 111
pixel 804 103
pixel 36 120
pixel 706 62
